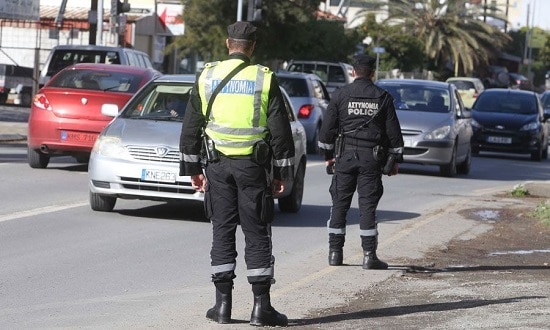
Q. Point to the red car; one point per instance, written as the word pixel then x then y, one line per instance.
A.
pixel 65 117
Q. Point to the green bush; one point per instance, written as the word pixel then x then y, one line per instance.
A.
pixel 542 212
pixel 520 191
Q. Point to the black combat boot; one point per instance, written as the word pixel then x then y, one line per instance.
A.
pixel 221 312
pixel 371 261
pixel 263 314
pixel 335 257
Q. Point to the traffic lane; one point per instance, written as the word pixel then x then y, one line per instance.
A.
pixel 24 188
pixel 56 263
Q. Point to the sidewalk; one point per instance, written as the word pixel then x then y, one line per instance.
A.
pixel 13 131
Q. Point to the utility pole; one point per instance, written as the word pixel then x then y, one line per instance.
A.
pixel 92 19
pixel 99 30
pixel 531 42
pixel 240 10
pixel 527 32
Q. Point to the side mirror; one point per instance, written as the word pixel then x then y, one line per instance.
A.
pixel 110 110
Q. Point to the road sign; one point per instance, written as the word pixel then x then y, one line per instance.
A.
pixel 379 50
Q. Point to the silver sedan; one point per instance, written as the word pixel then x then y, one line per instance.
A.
pixel 137 155
pixel 435 124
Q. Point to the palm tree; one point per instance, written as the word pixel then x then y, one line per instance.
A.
pixel 448 31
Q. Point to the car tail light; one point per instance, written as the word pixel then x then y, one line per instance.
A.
pixel 41 102
pixel 305 111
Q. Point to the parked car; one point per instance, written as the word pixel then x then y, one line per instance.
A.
pixel 545 100
pixel 512 121
pixel 64 55
pixel 16 84
pixel 65 116
pixel 137 155
pixel 435 125
pixel 518 81
pixel 310 98
pixel 334 74
pixel 468 87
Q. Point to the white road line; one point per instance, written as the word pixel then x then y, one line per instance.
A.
pixel 40 210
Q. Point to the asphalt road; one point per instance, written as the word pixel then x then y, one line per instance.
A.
pixel 67 267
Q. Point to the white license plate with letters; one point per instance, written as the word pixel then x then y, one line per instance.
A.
pixel 408 142
pixel 499 139
pixel 158 175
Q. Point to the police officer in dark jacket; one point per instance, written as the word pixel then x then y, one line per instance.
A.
pixel 359 137
pixel 247 133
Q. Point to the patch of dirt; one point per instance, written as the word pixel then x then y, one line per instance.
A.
pixel 500 279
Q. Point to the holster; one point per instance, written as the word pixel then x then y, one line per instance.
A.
pixel 380 154
pixel 388 166
pixel 209 149
pixel 261 153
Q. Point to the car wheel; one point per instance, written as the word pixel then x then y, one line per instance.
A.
pixel 464 167
pixel 537 155
pixel 26 99
pixel 293 202
pixel 82 158
pixel 313 146
pixel 37 159
pixel 101 202
pixel 449 169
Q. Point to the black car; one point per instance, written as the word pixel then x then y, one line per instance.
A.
pixel 511 121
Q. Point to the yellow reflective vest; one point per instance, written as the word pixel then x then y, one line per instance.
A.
pixel 238 118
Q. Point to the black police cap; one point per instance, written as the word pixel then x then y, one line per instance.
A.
pixel 364 60
pixel 242 30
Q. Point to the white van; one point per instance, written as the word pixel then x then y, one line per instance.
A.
pixel 334 74
pixel 65 55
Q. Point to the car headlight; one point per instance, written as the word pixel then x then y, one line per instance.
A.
pixel 109 146
pixel 439 134
pixel 534 126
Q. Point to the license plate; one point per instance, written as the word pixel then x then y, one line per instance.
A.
pixel 408 143
pixel 158 175
pixel 499 139
pixel 78 137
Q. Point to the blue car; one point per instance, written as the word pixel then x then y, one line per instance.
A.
pixel 510 121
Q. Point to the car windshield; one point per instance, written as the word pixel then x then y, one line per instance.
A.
pixel 419 98
pixel 506 103
pixel 295 87
pixel 160 102
pixel 121 82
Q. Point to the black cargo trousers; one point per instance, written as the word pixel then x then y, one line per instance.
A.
pixel 238 191
pixel 354 170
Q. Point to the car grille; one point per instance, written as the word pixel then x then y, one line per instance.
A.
pixel 137 184
pixel 155 154
pixel 410 132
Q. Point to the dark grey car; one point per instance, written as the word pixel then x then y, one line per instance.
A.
pixel 435 124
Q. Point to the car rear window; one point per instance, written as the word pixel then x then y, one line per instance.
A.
pixel 97 80
pixel 294 87
pixel 463 85
pixel 63 58
pixel 506 103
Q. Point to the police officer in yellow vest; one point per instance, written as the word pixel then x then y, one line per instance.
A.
pixel 248 135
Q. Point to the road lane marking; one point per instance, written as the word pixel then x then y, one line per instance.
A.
pixel 40 210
